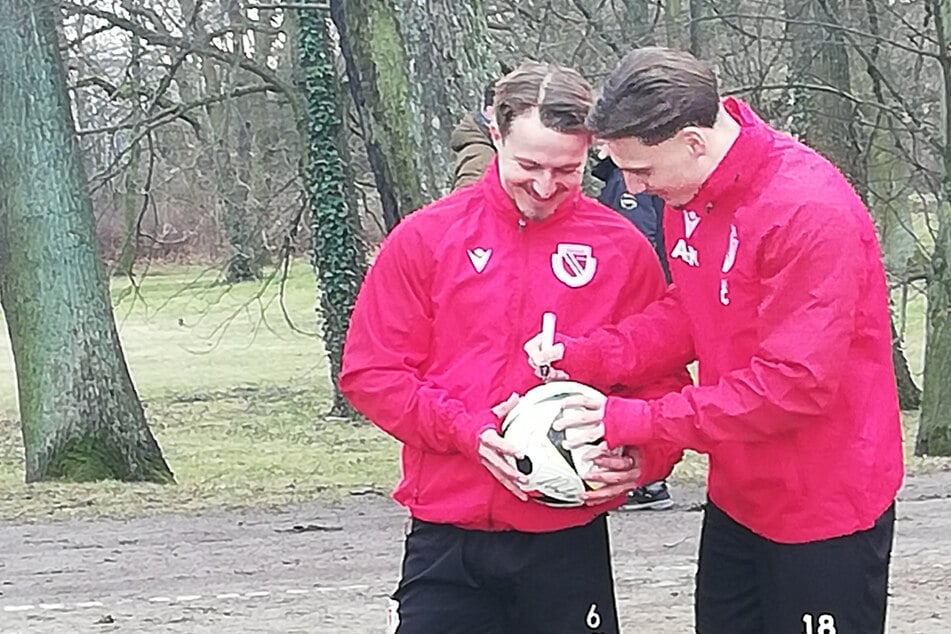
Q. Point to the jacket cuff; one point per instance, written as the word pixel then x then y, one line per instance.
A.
pixel 627 421
pixel 657 462
pixel 470 428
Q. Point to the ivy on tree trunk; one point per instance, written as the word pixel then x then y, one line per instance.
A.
pixel 339 255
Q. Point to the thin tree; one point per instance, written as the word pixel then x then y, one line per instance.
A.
pixel 412 74
pixel 80 414
pixel 934 431
pixel 827 118
pixel 339 255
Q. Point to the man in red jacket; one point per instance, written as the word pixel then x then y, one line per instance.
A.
pixel 779 293
pixel 435 344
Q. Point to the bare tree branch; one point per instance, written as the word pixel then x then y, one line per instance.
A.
pixel 113 91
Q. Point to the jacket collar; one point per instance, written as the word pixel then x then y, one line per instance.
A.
pixel 732 178
pixel 498 201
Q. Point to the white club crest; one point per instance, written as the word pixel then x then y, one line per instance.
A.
pixel 574 264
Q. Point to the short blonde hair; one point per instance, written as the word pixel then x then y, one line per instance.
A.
pixel 562 96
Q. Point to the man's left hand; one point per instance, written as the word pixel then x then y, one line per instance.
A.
pixel 618 473
pixel 582 418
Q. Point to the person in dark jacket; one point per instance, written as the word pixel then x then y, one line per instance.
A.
pixel 471 143
pixel 645 211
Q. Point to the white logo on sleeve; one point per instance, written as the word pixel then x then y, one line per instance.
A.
pixel 479 258
pixel 574 264
pixel 730 259
pixel 691 220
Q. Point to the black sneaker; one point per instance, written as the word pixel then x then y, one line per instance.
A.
pixel 654 497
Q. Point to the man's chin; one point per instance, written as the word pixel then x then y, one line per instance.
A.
pixel 535 210
pixel 535 213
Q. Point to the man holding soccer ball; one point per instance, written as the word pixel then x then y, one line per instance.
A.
pixel 779 293
pixel 433 356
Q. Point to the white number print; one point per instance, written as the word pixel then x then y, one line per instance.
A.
pixel 593 620
pixel 823 624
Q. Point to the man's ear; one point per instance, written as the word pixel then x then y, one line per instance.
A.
pixel 494 133
pixel 695 139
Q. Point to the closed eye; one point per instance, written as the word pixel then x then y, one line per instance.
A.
pixel 638 171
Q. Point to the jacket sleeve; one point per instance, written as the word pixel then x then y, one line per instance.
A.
pixel 471 162
pixel 658 457
pixel 646 285
pixel 813 271
pixel 639 348
pixel 387 347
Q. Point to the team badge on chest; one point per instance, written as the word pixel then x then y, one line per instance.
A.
pixel 574 264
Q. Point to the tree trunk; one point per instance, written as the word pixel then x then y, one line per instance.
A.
pixel 888 169
pixel 909 395
pixel 638 21
pixel 339 255
pixel 376 68
pixel 233 159
pixel 934 430
pixel 697 29
pixel 826 120
pixel 414 68
pixel 934 427
pixel 80 414
pixel 890 204
pixel 819 71
pixel 131 185
pixel 674 23
pixel 447 40
pixel 231 155
pixel 890 207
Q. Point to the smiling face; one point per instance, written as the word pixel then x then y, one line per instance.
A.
pixel 540 135
pixel 674 169
pixel 539 167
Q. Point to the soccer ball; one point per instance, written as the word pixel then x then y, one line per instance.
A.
pixel 555 474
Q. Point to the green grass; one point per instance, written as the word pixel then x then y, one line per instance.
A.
pixel 234 394
pixel 237 399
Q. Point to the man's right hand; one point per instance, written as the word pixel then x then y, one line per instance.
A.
pixel 541 355
pixel 493 450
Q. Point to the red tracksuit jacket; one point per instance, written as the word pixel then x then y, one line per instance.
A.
pixel 436 337
pixel 779 292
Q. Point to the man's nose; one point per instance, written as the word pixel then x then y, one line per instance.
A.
pixel 544 186
pixel 634 184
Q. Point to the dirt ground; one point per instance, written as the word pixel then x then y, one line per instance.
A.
pixel 328 568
